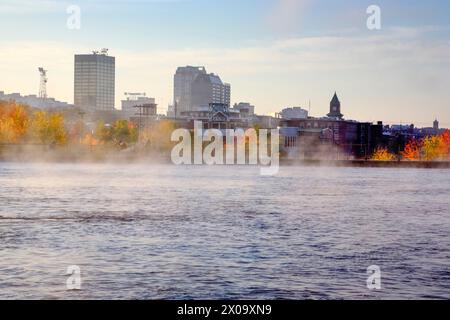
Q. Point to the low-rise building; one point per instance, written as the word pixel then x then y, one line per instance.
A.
pixel 130 104
pixel 145 115
pixel 327 137
pixel 246 110
pixel 216 116
pixel 293 113
pixel 34 101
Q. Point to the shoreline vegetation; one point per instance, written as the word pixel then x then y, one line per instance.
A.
pixel 34 135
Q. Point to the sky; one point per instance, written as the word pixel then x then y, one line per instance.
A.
pixel 274 53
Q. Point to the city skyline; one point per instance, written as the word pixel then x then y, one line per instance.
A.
pixel 397 74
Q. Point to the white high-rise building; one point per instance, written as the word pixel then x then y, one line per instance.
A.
pixel 195 89
pixel 95 81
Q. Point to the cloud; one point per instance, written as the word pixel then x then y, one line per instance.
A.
pixel 31 6
pixel 286 15
pixel 18 7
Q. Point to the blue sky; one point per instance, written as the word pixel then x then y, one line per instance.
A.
pixel 275 53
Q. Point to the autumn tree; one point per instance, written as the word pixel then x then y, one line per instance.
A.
pixel 89 140
pixel 383 154
pixel 77 132
pixel 158 136
pixel 121 131
pixel 433 148
pixel 412 150
pixel 102 132
pixel 446 141
pixel 47 128
pixel 14 122
pixel 124 131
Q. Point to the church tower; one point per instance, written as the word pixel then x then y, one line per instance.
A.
pixel 436 125
pixel 335 108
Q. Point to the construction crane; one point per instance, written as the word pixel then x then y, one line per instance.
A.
pixel 43 83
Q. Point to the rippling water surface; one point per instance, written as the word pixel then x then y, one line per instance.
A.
pixel 166 232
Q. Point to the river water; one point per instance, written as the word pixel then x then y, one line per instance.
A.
pixel 167 232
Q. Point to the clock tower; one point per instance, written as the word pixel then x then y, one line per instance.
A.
pixel 335 108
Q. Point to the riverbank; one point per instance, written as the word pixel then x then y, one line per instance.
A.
pixel 79 153
pixel 107 154
pixel 369 164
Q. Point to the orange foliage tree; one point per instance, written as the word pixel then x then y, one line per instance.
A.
pixel 412 150
pixel 430 148
pixel 446 141
pixel 77 132
pixel 14 122
pixel 89 140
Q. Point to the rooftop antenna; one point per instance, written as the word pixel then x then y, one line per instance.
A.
pixel 43 83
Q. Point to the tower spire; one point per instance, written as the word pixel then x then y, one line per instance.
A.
pixel 335 108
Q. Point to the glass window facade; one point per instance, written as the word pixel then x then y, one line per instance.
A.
pixel 95 82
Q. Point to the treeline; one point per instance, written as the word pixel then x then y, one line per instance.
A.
pixel 20 124
pixel 430 148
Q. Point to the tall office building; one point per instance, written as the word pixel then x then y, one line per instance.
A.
pixel 95 81
pixel 194 89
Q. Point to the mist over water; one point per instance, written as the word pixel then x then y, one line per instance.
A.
pixel 168 232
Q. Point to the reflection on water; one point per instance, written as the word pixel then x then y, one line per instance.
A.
pixel 151 232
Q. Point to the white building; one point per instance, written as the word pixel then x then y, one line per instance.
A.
pixel 194 89
pixel 293 113
pixel 34 101
pixel 130 104
pixel 95 81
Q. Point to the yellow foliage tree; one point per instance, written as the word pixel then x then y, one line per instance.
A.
pixel 382 154
pixel 48 128
pixel 434 148
pixel 158 137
